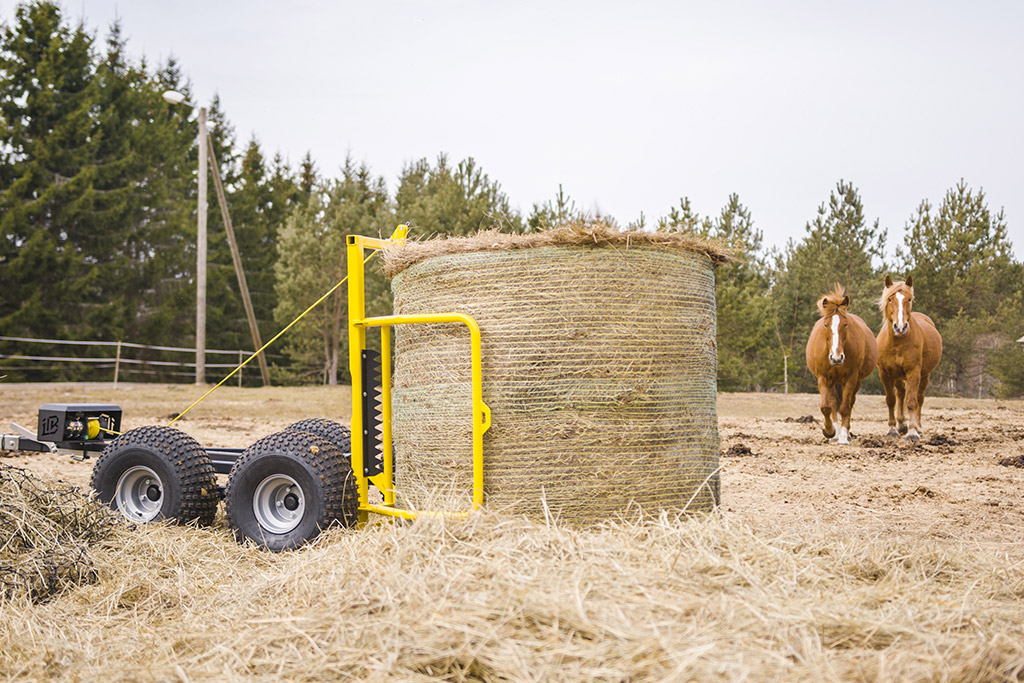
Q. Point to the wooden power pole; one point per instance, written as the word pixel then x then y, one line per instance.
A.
pixel 201 255
pixel 236 258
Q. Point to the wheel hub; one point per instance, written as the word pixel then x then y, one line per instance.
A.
pixel 278 504
pixel 138 494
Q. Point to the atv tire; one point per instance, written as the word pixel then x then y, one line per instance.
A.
pixel 157 473
pixel 288 487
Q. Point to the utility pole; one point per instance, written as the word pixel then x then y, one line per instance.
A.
pixel 201 254
pixel 785 370
pixel 206 155
pixel 236 258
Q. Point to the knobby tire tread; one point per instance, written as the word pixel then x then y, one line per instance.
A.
pixel 187 460
pixel 335 432
pixel 330 466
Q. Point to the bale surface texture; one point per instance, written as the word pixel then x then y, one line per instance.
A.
pixel 599 365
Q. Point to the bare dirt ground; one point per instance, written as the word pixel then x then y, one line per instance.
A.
pixel 964 480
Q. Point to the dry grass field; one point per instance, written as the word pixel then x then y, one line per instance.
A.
pixel 877 561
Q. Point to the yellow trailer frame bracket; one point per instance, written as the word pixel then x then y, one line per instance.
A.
pixel 358 322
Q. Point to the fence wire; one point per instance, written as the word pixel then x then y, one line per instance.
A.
pixel 46 529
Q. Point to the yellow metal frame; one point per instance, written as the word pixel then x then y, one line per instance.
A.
pixel 357 325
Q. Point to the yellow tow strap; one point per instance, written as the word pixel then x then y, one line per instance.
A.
pixel 276 336
pixel 398 237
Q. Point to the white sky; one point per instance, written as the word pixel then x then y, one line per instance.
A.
pixel 628 105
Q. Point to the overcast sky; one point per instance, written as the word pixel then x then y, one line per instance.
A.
pixel 629 105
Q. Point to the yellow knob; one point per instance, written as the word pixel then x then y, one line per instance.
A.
pixel 400 233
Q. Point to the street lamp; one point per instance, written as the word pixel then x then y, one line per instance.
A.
pixel 175 97
pixel 206 152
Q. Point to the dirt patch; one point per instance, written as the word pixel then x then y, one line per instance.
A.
pixel 806 419
pixel 924 491
pixel 738 450
pixel 1013 461
pixel 740 436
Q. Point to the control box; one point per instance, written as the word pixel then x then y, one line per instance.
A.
pixel 72 425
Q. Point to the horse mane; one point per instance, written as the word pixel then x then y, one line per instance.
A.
pixel 832 300
pixel 889 291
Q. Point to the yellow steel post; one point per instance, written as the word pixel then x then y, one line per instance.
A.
pixel 481 412
pixel 356 345
pixel 357 324
pixel 385 412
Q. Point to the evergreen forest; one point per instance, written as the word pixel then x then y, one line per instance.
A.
pixel 98 215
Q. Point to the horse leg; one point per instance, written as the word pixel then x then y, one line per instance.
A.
pixel 890 401
pixel 914 407
pixel 827 399
pixel 901 396
pixel 920 399
pixel 849 397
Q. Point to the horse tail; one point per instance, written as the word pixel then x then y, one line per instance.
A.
pixel 839 393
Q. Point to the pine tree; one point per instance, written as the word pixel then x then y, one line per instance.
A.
pixel 747 353
pixel 308 176
pixel 259 205
pixel 685 219
pixel 166 258
pixel 311 260
pixel 963 271
pixel 554 212
pixel 839 247
pixel 95 220
pixel 143 173
pixel 1007 360
pixel 454 201
pixel 48 93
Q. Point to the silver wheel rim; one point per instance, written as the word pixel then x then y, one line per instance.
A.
pixel 278 504
pixel 139 494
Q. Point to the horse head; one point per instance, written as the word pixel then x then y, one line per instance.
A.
pixel 896 304
pixel 833 307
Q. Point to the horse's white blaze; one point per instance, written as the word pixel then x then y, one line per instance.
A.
pixel 844 436
pixel 835 335
pixel 899 306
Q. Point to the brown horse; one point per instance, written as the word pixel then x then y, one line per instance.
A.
pixel 909 349
pixel 841 352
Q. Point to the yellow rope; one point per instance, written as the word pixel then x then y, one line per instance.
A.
pixel 246 361
pixel 106 429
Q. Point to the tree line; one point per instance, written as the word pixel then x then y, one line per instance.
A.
pixel 98 193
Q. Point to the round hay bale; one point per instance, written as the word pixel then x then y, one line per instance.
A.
pixel 599 367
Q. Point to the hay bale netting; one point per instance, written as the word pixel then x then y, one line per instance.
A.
pixel 599 364
pixel 45 530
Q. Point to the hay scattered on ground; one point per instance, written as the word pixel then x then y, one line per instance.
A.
pixel 500 598
pixel 398 258
pixel 45 531
pixel 810 558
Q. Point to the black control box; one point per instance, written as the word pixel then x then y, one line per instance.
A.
pixel 71 425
